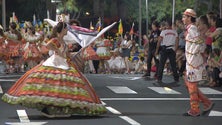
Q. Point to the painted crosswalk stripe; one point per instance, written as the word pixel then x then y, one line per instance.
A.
pixel 1 91
pixel 23 116
pixel 164 90
pixel 215 113
pixel 114 111
pixel 121 90
pixel 129 120
pixel 210 91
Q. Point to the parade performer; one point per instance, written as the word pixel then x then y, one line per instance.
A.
pixel 89 54
pixel 103 51
pixel 14 48
pixel 2 44
pixel 195 65
pixel 32 55
pixel 56 87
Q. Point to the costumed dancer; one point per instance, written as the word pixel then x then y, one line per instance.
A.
pixel 88 55
pixel 32 55
pixel 14 48
pixel 103 51
pixel 2 47
pixel 56 87
pixel 116 62
pixel 195 65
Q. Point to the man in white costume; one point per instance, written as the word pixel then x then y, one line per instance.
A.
pixel 195 66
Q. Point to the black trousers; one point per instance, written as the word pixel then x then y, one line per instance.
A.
pixel 96 65
pixel 164 55
pixel 215 76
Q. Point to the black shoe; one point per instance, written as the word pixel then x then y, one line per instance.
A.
pixel 187 114
pixel 207 111
pixel 158 83
pixel 177 80
pixel 146 75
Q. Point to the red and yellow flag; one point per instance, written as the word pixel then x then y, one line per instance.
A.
pixel 120 28
pixel 132 30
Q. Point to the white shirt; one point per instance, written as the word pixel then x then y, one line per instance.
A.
pixel 169 37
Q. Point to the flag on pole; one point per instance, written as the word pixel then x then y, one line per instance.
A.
pixel 132 29
pixel 98 25
pixel 13 18
pixel 91 26
pixel 120 27
pixel 34 20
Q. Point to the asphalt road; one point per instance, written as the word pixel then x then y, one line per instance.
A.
pixel 129 99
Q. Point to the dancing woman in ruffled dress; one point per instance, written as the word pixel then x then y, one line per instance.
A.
pixel 32 55
pixel 56 87
pixel 14 48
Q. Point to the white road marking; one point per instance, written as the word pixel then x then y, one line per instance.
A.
pixel 121 90
pixel 127 77
pixel 24 120
pixel 215 113
pixel 1 91
pixel 129 120
pixel 25 123
pixel 103 103
pixel 210 91
pixel 114 111
pixel 23 116
pixel 126 118
pixel 8 76
pixel 164 90
pixel 152 99
pixel 8 80
pixel 135 78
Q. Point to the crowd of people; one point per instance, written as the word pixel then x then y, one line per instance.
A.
pixel 161 53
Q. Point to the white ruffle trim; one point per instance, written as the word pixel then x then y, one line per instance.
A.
pixel 57 62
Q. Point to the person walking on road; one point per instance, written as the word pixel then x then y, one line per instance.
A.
pixel 169 43
pixel 195 65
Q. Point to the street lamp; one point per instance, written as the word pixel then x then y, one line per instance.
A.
pixel 3 14
pixel 147 17
pixel 56 1
pixel 56 4
pixel 140 25
pixel 173 12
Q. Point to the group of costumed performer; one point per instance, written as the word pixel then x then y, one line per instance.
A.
pixel 20 47
pixel 32 54
pixel 13 45
pixel 56 87
pixel 98 50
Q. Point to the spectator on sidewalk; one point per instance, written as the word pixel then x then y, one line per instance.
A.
pixel 153 39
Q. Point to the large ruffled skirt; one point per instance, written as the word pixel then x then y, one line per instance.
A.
pixel 58 86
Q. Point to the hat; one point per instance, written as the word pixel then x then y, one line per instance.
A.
pixel 190 12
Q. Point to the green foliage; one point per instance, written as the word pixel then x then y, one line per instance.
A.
pixel 68 6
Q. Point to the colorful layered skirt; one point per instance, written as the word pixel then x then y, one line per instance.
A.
pixel 57 85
